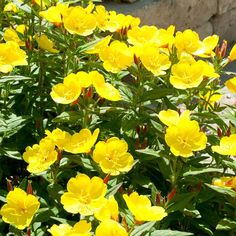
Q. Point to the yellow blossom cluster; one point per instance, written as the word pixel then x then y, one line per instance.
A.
pixel 87 196
pixel 69 91
pixel 41 156
pixel 176 59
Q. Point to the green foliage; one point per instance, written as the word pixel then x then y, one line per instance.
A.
pixel 182 186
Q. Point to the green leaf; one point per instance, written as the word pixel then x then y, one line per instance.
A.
pixel 13 124
pixel 203 227
pixel 149 152
pixel 139 230
pixel 112 191
pixel 229 164
pixel 157 126
pixel 68 117
pixel 11 153
pixel 222 190
pixel 13 78
pixel 180 201
pixel 197 171
pixel 157 94
pixel 55 191
pixel 168 232
pixel 226 224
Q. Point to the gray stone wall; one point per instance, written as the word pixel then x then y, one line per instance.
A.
pixel 205 16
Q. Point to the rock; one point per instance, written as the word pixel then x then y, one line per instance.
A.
pixel 224 25
pixel 129 1
pixel 204 30
pixel 181 13
pixel 225 5
pixel 191 14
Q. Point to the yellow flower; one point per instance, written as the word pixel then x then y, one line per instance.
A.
pixel 226 182
pixel 60 230
pixel 54 14
pixel 11 7
pixel 11 35
pixel 58 137
pixel 104 21
pixel 210 43
pixel 188 41
pixel 110 228
pixel 208 69
pixel 227 146
pixel 40 156
pixel 78 21
pixel 185 137
pixel 185 57
pixel 84 79
pixel 108 211
pixel 125 21
pixel 11 55
pixel 116 57
pixel 84 195
pixel 186 75
pixel 154 61
pixel 165 37
pixel 81 142
pixel 232 54
pixel 142 35
pixel 68 91
pixel 112 156
pixel 19 209
pixel 41 3
pixel 104 89
pixel 21 29
pixel 99 46
pixel 141 208
pixel 81 228
pixel 231 85
pixel 45 43
pixel 171 117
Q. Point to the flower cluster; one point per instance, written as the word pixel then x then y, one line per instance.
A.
pixel 69 91
pixel 143 133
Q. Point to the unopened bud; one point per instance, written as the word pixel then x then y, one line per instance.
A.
pixel 58 24
pixel 136 60
pixel 28 232
pixel 59 154
pixel 171 194
pixel 106 179
pixel 217 51
pixel 219 132
pixel 223 49
pixel 29 189
pixel 9 185
pixel 228 131
pixel 138 129
pixel 159 199
pixel 74 103
pixel 145 143
pixel 89 92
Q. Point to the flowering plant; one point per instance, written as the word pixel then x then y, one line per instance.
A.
pixel 112 128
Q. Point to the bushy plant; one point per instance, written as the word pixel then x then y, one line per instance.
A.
pixel 110 128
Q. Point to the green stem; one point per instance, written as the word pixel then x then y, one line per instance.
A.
pixel 174 175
